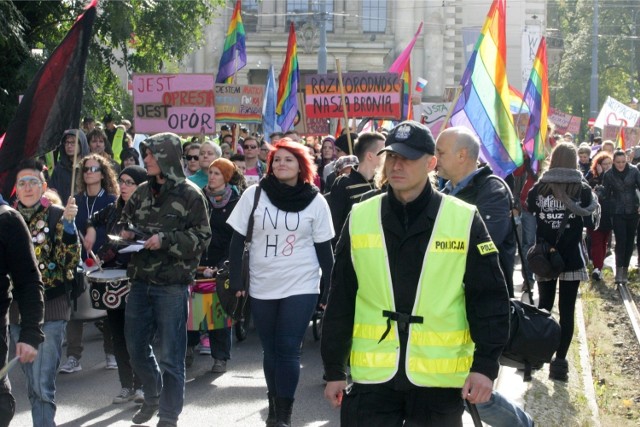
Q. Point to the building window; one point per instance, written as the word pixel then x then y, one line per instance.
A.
pixel 302 11
pixel 374 14
pixel 250 15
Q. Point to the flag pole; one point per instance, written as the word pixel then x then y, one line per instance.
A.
pixel 344 107
pixel 453 104
pixel 73 165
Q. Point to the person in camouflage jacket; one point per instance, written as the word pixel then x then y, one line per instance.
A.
pixel 170 215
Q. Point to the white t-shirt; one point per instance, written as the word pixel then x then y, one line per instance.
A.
pixel 283 259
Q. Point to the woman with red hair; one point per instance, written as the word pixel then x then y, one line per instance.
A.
pixel 291 244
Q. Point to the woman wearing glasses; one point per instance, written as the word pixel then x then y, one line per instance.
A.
pixel 97 187
pixel 128 181
pixel 192 159
pixel 57 251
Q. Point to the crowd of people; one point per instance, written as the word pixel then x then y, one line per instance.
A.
pixel 407 215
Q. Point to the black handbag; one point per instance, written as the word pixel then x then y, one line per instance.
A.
pixel 543 259
pixel 233 305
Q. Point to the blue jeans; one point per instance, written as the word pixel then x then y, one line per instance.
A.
pixel 41 373
pixel 501 412
pixel 528 226
pixel 160 312
pixel 281 324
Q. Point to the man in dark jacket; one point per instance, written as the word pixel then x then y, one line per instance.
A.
pixel 411 354
pixel 170 214
pixel 18 268
pixel 62 172
pixel 457 150
pixel 347 189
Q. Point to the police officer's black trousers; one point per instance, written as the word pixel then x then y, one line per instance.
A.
pixel 382 406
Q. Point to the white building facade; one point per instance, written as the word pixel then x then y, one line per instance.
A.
pixel 367 35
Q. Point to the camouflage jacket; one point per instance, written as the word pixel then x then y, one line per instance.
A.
pixel 176 211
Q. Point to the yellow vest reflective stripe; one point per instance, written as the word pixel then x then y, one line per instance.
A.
pixel 439 350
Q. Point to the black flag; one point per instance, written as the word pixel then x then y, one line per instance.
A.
pixel 51 104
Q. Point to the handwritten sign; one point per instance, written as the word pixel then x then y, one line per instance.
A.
pixel 564 122
pixel 374 95
pixel 239 103
pixel 309 126
pixel 615 113
pixel 631 135
pixel 433 114
pixel 180 103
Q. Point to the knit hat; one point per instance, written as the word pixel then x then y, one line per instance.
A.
pixel 227 167
pixel 137 173
pixel 345 161
pixel 343 143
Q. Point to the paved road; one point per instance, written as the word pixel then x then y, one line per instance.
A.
pixel 237 398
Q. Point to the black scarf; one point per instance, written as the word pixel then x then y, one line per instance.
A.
pixel 288 198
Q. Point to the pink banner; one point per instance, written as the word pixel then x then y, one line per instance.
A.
pixel 564 122
pixel 179 103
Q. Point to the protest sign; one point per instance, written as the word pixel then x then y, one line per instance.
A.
pixel 631 135
pixel 374 95
pixel 433 114
pixel 308 126
pixel 180 103
pixel 564 122
pixel 615 113
pixel 239 103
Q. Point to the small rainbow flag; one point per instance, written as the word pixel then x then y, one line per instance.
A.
pixel 536 96
pixel 516 102
pixel 402 66
pixel 621 140
pixel 287 106
pixel 234 56
pixel 483 104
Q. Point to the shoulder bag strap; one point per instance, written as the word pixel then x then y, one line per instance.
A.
pixel 249 236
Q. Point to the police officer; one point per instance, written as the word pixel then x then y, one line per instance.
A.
pixel 418 301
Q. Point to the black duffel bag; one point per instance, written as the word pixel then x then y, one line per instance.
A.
pixel 534 337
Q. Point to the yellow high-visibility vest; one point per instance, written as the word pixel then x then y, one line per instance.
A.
pixel 440 349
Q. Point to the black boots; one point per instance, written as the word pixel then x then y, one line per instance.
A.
pixel 271 418
pixel 559 370
pixel 284 406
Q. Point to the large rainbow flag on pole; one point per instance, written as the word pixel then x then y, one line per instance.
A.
pixel 483 104
pixel 287 107
pixel 402 66
pixel 536 96
pixel 234 56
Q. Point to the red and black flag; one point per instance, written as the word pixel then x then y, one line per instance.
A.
pixel 52 102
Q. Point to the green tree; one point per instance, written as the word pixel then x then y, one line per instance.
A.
pixel 138 35
pixel 618 54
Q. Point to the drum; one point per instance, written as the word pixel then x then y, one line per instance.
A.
pixel 205 311
pixel 108 288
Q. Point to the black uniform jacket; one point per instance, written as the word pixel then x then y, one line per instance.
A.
pixel 407 230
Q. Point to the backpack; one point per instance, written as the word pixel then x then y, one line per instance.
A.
pixel 534 336
pixel 77 286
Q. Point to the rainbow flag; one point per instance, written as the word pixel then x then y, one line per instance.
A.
pixel 483 105
pixel 516 102
pixel 536 96
pixel 287 106
pixel 402 66
pixel 621 140
pixel 234 56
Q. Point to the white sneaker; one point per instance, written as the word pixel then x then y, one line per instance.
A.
pixel 71 365
pixel 596 274
pixel 139 397
pixel 111 362
pixel 125 395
